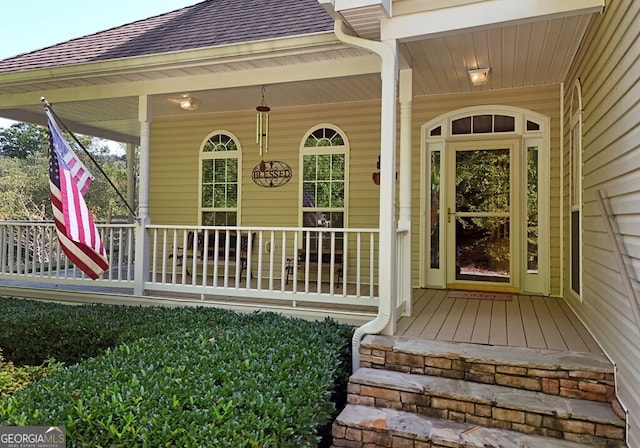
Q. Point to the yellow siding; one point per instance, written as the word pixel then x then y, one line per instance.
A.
pixel 176 142
pixel 608 67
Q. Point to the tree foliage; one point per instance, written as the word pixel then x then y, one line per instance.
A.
pixel 22 140
pixel 24 179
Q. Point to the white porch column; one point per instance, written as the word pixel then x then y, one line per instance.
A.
pixel 142 237
pixel 404 221
pixel 131 178
pixel 387 256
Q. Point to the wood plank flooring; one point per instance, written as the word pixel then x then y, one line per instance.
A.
pixel 525 321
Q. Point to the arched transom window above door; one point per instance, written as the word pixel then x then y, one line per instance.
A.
pixel 479 122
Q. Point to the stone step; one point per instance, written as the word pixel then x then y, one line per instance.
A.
pixel 365 426
pixel 488 405
pixel 587 376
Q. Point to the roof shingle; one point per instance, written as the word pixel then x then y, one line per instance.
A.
pixel 210 23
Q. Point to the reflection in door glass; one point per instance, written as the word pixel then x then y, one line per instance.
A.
pixel 483 249
pixel 434 215
pixel 482 181
pixel 532 210
pixel 483 189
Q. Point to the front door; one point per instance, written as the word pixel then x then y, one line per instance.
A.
pixel 482 219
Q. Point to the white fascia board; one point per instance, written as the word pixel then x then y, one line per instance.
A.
pixel 179 59
pixel 343 5
pixel 366 64
pixel 480 15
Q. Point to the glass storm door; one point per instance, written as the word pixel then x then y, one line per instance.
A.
pixel 481 217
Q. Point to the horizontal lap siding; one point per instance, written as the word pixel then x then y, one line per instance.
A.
pixel 544 100
pixel 176 142
pixel 608 66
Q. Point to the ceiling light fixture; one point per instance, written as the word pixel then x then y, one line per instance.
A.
pixel 479 76
pixel 189 103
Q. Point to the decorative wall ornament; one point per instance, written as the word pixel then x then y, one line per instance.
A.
pixel 376 174
pixel 271 174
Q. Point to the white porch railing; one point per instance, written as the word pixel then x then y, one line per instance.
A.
pixel 337 266
pixel 29 251
pixel 324 266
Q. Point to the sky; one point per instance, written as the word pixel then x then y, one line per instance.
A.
pixel 29 25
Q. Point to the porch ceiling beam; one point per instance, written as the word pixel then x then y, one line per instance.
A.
pixel 481 15
pixel 362 65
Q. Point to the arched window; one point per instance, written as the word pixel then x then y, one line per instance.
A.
pixel 219 187
pixel 324 158
pixel 575 189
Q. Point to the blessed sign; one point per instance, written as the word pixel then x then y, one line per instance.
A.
pixel 271 174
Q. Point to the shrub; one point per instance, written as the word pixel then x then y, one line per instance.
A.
pixel 14 378
pixel 32 331
pixel 195 377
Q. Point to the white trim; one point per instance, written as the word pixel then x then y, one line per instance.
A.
pixel 575 163
pixel 319 150
pixel 514 214
pixel 405 97
pixel 481 15
pixel 240 52
pixel 540 282
pixel 562 200
pixel 220 155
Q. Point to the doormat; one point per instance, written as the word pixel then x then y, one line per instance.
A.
pixel 479 295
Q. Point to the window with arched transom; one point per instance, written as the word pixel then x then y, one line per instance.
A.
pixel 324 161
pixel 220 160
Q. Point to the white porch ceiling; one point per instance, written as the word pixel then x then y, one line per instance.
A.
pixel 519 55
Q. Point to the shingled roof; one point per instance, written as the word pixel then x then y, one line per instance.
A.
pixel 210 23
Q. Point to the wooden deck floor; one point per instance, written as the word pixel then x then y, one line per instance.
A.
pixel 525 321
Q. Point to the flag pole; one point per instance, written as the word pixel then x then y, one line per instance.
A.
pixel 48 106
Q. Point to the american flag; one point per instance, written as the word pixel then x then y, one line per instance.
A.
pixel 69 180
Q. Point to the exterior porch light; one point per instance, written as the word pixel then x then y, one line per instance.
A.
pixel 262 126
pixel 479 76
pixel 189 103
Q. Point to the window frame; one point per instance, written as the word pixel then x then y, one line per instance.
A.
pixel 324 150
pixel 575 191
pixel 217 155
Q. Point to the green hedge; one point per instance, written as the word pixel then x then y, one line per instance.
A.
pixel 193 377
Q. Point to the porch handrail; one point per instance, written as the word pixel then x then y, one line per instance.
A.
pixel 297 264
pixel 29 250
pixel 285 266
pixel 626 281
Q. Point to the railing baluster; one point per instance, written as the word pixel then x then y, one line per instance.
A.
pixel 205 258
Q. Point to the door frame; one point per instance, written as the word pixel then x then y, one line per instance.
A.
pixel 515 238
pixel 533 131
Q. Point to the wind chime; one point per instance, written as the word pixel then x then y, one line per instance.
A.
pixel 262 126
